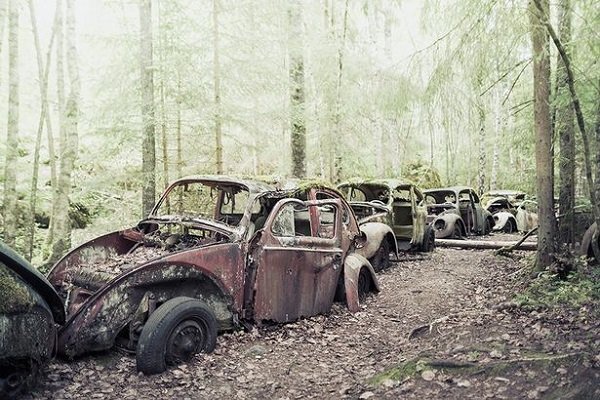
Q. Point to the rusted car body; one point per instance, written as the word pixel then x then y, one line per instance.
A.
pixel 29 312
pixel 511 210
pixel 397 204
pixel 235 252
pixel 457 212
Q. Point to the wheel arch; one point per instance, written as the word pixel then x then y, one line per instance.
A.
pixel 110 310
pixel 353 264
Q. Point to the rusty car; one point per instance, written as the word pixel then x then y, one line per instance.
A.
pixel 30 310
pixel 216 253
pixel 457 212
pixel 511 210
pixel 398 204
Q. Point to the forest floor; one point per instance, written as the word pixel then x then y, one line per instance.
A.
pixel 445 325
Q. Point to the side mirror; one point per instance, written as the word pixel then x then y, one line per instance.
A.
pixel 360 240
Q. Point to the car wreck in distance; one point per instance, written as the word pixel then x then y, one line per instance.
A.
pixel 511 210
pixel 398 204
pixel 215 253
pixel 457 212
pixel 30 310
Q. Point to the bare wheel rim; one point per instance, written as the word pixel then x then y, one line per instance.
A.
pixel 186 340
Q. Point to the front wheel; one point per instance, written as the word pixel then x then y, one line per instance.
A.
pixel 363 285
pixel 381 259
pixel 179 329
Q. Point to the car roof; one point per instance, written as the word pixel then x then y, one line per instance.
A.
pixel 29 274
pixel 393 183
pixel 252 185
pixel 450 188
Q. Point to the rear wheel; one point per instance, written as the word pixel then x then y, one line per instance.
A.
pixel 508 227
pixel 381 259
pixel 487 227
pixel 179 329
pixel 428 240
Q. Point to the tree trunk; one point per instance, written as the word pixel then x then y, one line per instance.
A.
pixel 163 112
pixel 3 11
pixel 543 135
pixel 70 148
pixel 338 137
pixel 296 71
pixel 565 129
pixel 147 89
pixel 43 70
pixel 482 149
pixel 596 234
pixel 62 142
pixel 217 88
pixel 483 244
pixel 179 160
pixel 10 209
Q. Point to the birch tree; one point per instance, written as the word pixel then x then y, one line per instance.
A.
pixel 70 140
pixel 10 210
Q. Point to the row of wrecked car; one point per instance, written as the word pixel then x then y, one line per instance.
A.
pixel 215 254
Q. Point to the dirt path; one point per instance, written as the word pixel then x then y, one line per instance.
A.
pixel 480 347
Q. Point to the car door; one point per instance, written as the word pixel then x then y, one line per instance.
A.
pixel 298 259
pixel 478 213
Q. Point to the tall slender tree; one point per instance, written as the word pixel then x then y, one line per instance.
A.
pixel 296 71
pixel 148 120
pixel 10 209
pixel 69 140
pixel 543 135
pixel 43 71
pixel 217 90
pixel 565 129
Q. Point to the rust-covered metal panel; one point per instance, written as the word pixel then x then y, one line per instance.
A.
pixel 213 274
pixel 296 275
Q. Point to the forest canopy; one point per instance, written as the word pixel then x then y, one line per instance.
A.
pixel 103 103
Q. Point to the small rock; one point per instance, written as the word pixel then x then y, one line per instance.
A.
pixel 389 383
pixel 366 395
pixel 256 350
pixel 463 383
pixel 501 379
pixel 505 337
pixel 495 354
pixel 428 375
pixel 561 371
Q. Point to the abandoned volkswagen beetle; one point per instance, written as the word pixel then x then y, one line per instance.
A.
pixel 30 310
pixel 215 253
pixel 397 204
pixel 457 212
pixel 511 213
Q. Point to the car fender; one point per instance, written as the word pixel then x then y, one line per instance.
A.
pixel 96 323
pixel 376 233
pixel 449 220
pixel 353 264
pixel 586 243
pixel 501 218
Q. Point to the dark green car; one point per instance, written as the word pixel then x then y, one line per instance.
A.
pixel 398 204
pixel 30 310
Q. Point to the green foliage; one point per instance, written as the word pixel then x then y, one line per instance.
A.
pixel 422 175
pixel 548 290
